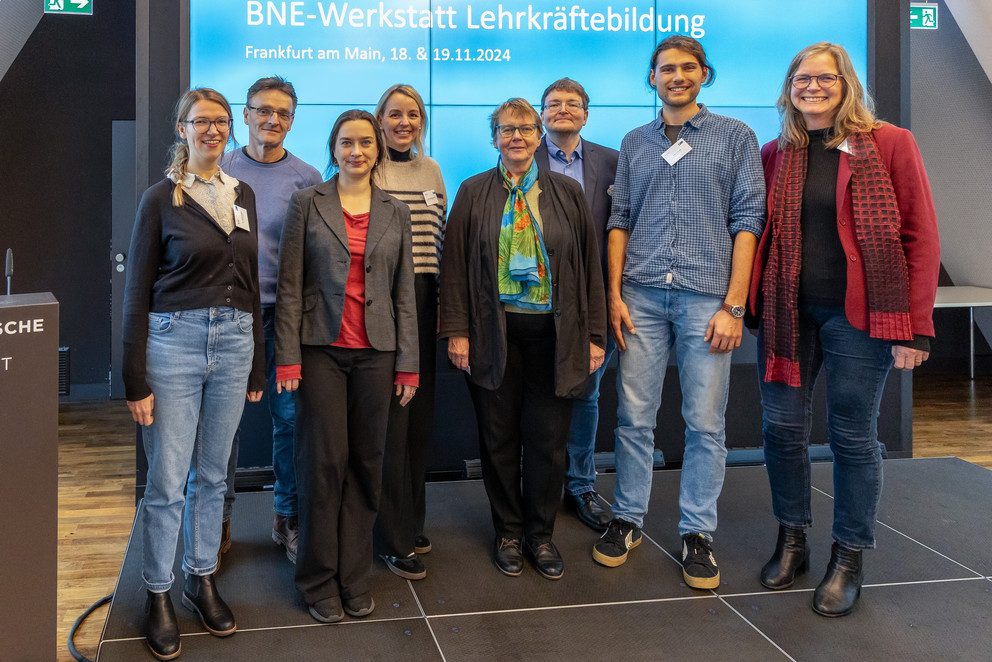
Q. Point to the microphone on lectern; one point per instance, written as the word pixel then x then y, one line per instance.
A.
pixel 9 271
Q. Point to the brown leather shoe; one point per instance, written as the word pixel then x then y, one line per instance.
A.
pixel 225 541
pixel 285 532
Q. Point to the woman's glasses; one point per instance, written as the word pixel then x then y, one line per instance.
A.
pixel 202 124
pixel 823 80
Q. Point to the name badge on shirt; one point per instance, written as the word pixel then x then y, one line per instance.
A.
pixel 241 218
pixel 676 151
pixel 430 197
pixel 845 147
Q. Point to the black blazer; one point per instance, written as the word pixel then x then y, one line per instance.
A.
pixel 313 269
pixel 599 169
pixel 470 304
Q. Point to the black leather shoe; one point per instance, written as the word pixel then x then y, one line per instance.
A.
pixel 791 558
pixel 508 557
pixel 546 559
pixel 285 532
pixel 361 605
pixel 161 629
pixel 200 595
pixel 590 512
pixel 840 589
pixel 407 568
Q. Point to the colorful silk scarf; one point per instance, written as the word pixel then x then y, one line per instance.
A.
pixel 876 223
pixel 524 280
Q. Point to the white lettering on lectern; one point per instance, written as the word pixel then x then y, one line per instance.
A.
pixel 5 360
pixel 22 326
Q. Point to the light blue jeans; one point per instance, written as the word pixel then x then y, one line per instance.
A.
pixel 582 436
pixel 664 319
pixel 197 368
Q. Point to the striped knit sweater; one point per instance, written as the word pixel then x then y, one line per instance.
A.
pixel 413 183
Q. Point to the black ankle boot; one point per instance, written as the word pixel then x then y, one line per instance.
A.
pixel 200 595
pixel 161 629
pixel 841 586
pixel 791 558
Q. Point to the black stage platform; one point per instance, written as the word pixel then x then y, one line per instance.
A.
pixel 927 594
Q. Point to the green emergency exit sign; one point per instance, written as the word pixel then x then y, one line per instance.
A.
pixel 923 16
pixel 68 6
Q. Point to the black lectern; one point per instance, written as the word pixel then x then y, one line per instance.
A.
pixel 29 434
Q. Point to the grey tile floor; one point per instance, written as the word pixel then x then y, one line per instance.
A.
pixel 927 593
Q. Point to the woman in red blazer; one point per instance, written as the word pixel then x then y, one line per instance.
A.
pixel 843 285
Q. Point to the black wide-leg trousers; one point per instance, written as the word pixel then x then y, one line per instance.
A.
pixel 524 416
pixel 340 435
pixel 402 507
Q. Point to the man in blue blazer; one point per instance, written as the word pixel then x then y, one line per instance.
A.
pixel 564 111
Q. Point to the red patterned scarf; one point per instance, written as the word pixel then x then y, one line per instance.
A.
pixel 876 223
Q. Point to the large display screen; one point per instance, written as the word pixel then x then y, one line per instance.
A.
pixel 467 57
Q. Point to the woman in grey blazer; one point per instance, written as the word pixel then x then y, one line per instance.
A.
pixel 346 337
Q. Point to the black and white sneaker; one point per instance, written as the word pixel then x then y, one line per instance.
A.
pixel 698 565
pixel 408 568
pixel 620 537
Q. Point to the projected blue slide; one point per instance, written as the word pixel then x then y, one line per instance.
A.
pixel 466 57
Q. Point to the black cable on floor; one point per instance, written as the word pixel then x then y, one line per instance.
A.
pixel 79 621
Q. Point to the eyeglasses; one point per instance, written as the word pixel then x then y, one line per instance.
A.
pixel 265 113
pixel 823 80
pixel 571 106
pixel 526 130
pixel 202 124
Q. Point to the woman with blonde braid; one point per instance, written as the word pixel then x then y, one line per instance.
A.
pixel 192 350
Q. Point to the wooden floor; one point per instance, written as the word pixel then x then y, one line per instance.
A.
pixel 952 417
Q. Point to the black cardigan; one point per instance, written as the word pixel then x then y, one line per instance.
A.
pixel 470 304
pixel 180 259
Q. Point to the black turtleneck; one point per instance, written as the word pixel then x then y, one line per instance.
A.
pixel 399 157
pixel 823 278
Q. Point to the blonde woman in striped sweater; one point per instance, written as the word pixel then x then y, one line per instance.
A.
pixel 415 179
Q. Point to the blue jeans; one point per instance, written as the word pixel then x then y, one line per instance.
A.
pixel 855 367
pixel 665 318
pixel 197 368
pixel 582 437
pixel 282 408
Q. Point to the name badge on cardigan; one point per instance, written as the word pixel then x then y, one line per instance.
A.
pixel 430 197
pixel 241 218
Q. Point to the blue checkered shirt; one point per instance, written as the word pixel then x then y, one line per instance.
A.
pixel 682 218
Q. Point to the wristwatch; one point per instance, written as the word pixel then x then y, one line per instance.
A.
pixel 736 311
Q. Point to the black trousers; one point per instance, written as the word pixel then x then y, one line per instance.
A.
pixel 340 434
pixel 524 415
pixel 402 507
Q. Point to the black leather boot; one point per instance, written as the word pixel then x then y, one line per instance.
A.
pixel 841 586
pixel 161 629
pixel 791 558
pixel 200 595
